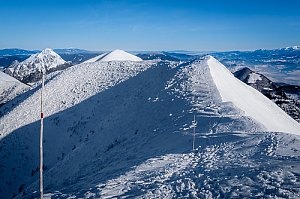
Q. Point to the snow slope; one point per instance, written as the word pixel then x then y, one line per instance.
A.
pixel 10 88
pixel 124 129
pixel 26 70
pixel 251 101
pixel 280 95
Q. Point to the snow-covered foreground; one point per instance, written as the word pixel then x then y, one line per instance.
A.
pixel 224 170
pixel 124 129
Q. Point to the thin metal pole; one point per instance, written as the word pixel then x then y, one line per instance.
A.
pixel 41 140
pixel 194 137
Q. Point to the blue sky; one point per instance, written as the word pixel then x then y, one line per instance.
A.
pixel 150 25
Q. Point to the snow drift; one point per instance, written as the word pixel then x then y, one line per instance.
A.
pixel 251 101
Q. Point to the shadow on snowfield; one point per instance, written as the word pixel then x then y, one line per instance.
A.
pixel 129 141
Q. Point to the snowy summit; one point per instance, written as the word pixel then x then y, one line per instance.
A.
pixel 116 55
pixel 27 70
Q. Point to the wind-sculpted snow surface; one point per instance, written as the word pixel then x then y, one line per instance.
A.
pixel 225 170
pixel 248 99
pixel 68 89
pixel 10 88
pixel 107 138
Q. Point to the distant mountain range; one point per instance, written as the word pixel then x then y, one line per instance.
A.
pixel 280 65
pixel 73 55
pixel 18 51
pixel 278 50
pixel 73 51
pixel 157 55
pixel 76 55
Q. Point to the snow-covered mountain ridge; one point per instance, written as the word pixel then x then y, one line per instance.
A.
pixel 251 101
pixel 30 69
pixel 292 48
pixel 101 76
pixel 124 129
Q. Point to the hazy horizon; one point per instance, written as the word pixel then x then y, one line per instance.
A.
pixel 173 50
